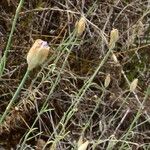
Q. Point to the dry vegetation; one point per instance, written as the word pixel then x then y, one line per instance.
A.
pixel 65 99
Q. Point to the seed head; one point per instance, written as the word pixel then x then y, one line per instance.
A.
pixel 114 36
pixel 37 53
pixel 80 26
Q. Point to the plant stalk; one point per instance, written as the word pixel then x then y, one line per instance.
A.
pixel 15 96
pixel 3 59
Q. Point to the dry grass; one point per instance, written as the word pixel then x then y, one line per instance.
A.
pixel 65 99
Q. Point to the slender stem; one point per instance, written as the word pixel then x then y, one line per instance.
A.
pixel 70 112
pixel 15 96
pixel 138 114
pixel 3 59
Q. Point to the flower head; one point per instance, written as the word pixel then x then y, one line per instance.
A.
pixel 37 53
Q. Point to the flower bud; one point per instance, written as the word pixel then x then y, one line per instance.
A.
pixel 107 81
pixel 80 26
pixel 114 58
pixel 114 36
pixel 80 141
pixel 133 85
pixel 37 54
pixel 84 146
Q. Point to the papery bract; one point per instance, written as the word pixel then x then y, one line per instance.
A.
pixel 37 54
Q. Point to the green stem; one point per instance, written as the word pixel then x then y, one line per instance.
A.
pixel 3 59
pixel 131 127
pixel 15 96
